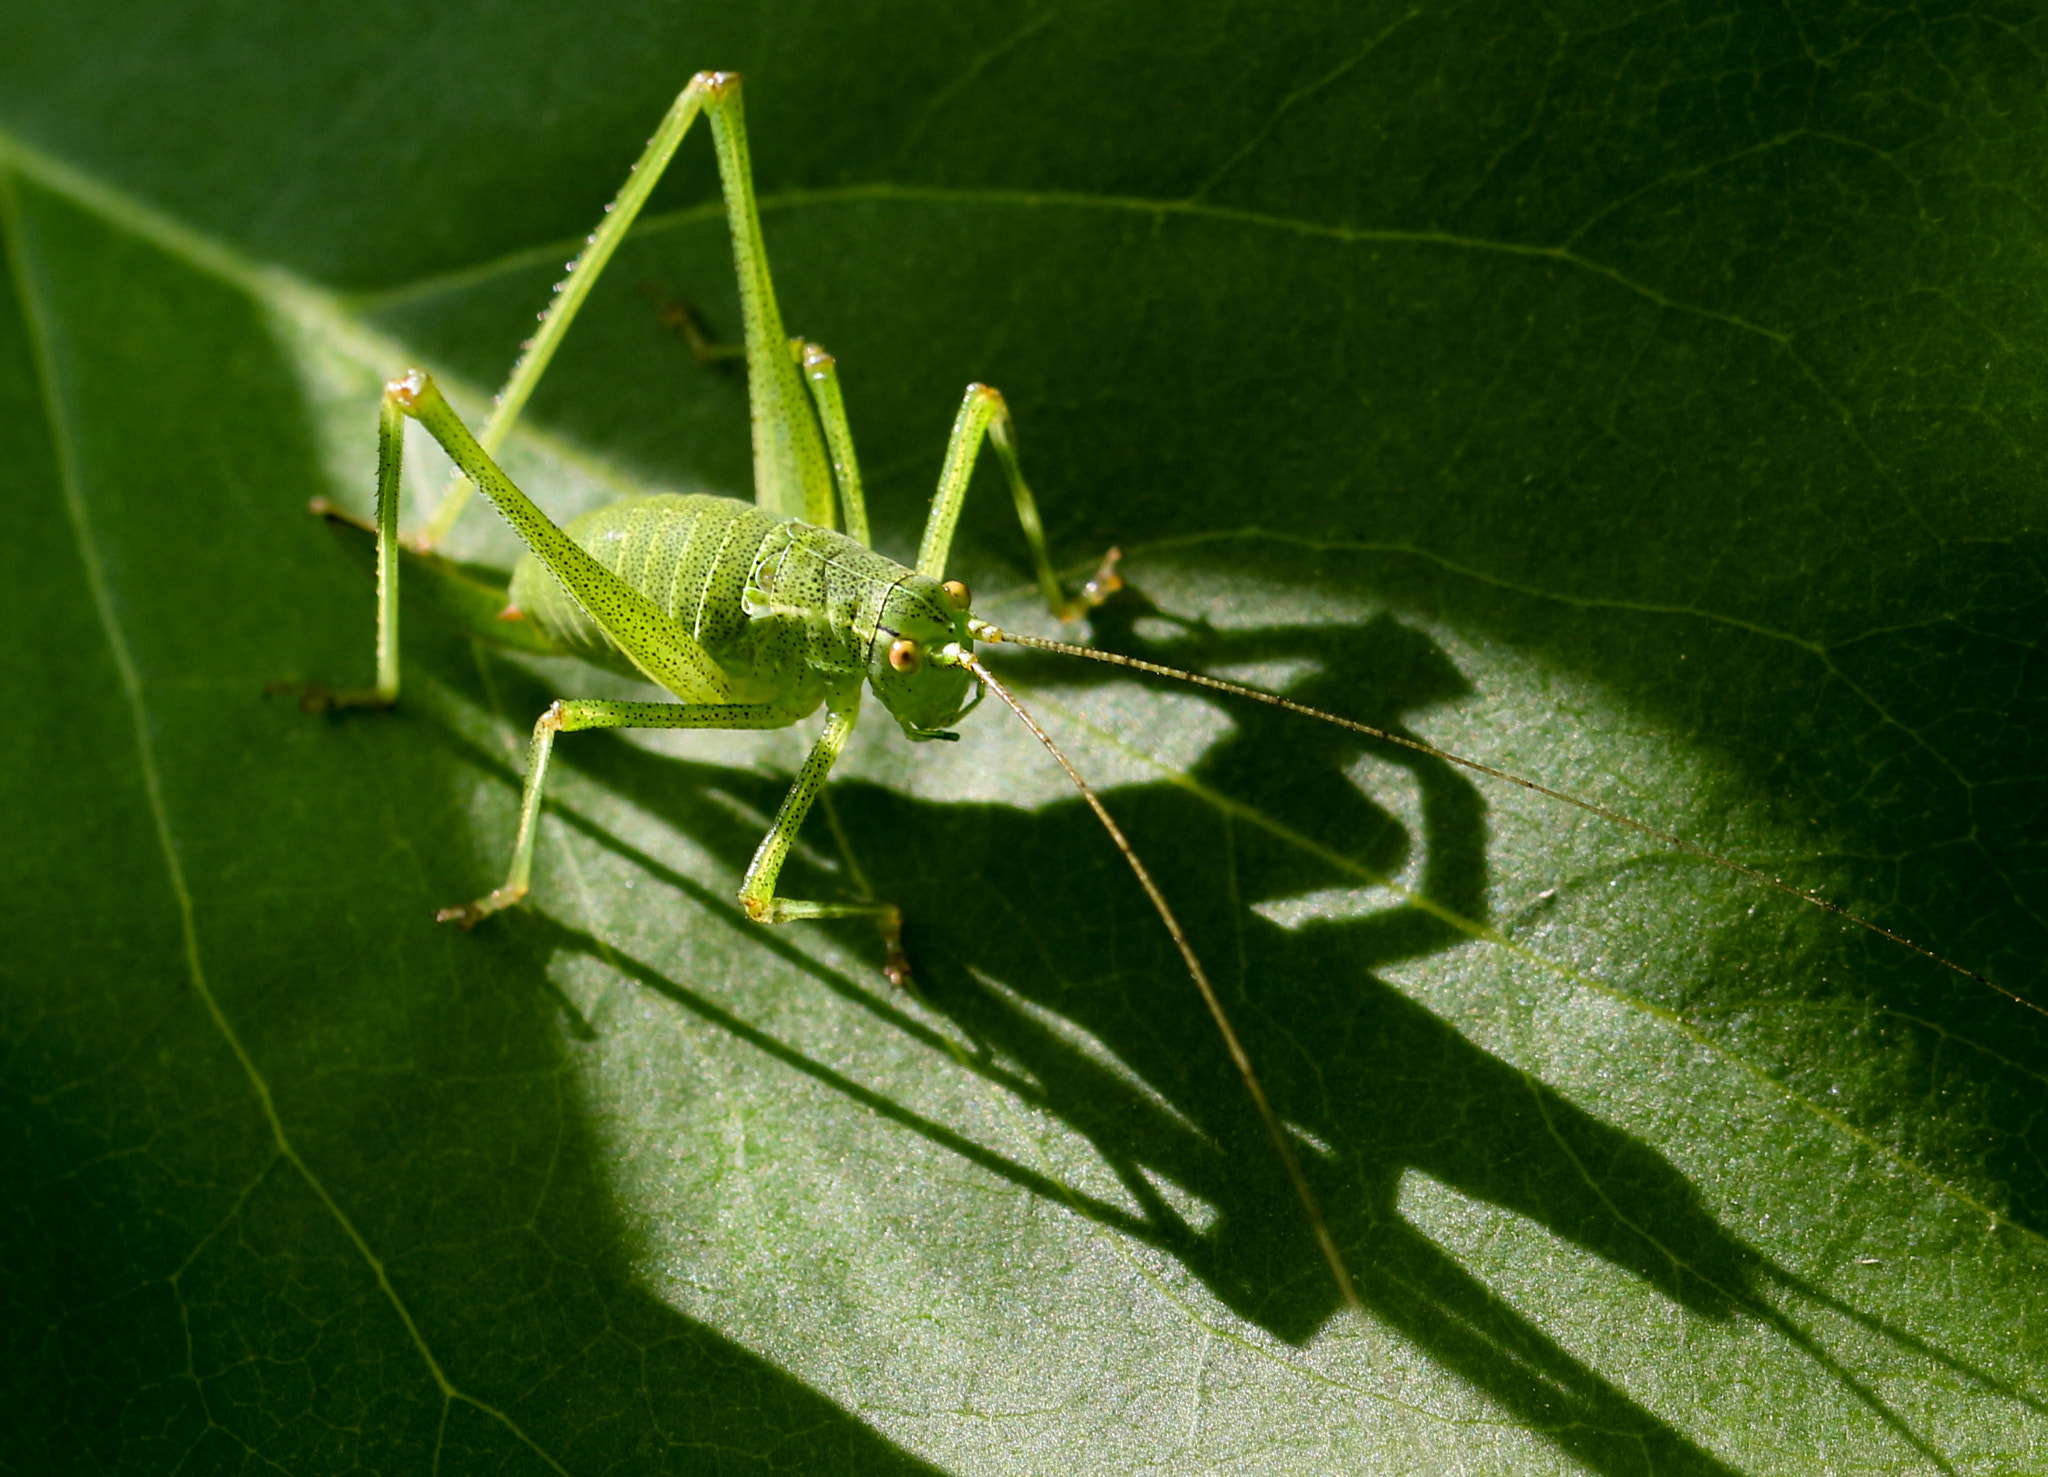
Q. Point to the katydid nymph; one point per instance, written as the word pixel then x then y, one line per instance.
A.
pixel 756 615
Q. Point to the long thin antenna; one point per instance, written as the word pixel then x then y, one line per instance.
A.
pixel 983 631
pixel 1195 971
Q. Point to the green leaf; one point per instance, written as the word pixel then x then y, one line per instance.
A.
pixel 1639 403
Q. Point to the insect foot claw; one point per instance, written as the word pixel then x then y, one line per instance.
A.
pixel 317 697
pixel 1104 583
pixel 469 915
pixel 1107 580
pixel 897 965
pixel 313 698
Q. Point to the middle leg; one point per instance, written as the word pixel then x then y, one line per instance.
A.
pixel 570 716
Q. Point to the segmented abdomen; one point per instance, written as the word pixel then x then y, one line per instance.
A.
pixel 789 611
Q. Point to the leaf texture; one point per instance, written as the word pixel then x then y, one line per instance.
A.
pixel 1644 401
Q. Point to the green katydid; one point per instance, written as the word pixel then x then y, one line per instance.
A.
pixel 757 614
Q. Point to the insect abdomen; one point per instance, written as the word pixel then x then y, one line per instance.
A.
pixel 788 610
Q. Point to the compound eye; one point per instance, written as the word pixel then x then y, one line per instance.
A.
pixel 906 655
pixel 958 593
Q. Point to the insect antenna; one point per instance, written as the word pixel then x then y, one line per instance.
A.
pixel 1238 1054
pixel 983 631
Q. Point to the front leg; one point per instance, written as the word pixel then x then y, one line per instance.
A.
pixel 757 890
pixel 567 717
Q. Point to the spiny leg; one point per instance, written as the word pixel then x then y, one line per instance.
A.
pixel 569 717
pixel 570 293
pixel 540 349
pixel 791 475
pixel 983 413
pixel 791 472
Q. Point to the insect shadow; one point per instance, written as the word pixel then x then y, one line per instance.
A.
pixel 1047 957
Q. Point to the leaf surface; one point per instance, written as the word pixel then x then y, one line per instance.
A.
pixel 1641 404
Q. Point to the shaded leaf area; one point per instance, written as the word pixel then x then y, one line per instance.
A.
pixel 1646 402
pixel 188 1275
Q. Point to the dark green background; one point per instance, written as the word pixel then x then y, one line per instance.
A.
pixel 1648 400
